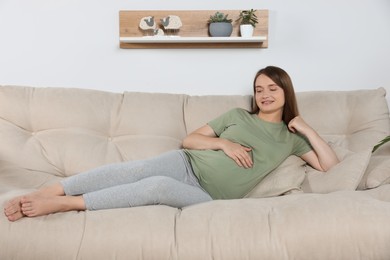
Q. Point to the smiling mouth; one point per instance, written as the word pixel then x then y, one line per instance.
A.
pixel 268 102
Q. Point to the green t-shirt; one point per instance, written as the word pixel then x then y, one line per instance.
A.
pixel 271 144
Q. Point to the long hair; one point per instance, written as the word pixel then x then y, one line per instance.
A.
pixel 283 80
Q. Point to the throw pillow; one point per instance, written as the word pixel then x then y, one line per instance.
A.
pixel 286 178
pixel 346 175
pixel 377 173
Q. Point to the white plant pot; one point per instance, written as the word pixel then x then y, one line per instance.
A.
pixel 246 30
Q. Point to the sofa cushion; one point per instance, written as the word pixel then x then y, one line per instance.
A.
pixel 378 170
pixel 294 176
pixel 344 176
pixel 286 178
pixel 353 119
pixel 130 233
pixel 67 131
pixel 14 178
pixel 137 233
pixel 199 110
pixel 338 225
pixel 53 237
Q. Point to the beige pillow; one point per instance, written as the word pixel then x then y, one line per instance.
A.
pixel 377 173
pixel 346 175
pixel 287 178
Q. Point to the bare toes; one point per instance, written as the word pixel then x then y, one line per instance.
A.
pixel 18 215
pixel 9 211
pixel 13 206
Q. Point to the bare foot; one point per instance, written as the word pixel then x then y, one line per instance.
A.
pixel 13 209
pixel 35 205
pixel 49 191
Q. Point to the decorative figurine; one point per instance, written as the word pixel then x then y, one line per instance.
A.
pixel 171 24
pixel 148 25
pixel 159 32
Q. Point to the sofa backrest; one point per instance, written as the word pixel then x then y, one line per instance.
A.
pixel 64 131
pixel 356 120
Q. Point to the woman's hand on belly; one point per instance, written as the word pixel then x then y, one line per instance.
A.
pixel 239 153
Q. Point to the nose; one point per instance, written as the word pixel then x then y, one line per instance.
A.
pixel 265 93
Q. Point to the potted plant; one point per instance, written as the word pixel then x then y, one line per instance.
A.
pixel 220 25
pixel 248 21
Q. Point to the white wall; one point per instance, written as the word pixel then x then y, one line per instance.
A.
pixel 324 45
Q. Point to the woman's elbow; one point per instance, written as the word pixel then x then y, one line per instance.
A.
pixel 330 165
pixel 184 143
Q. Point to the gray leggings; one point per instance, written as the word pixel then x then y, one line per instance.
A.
pixel 166 179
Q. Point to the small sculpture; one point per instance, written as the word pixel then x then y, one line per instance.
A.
pixel 148 25
pixel 171 24
pixel 158 32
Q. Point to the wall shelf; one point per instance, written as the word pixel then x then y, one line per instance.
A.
pixel 193 33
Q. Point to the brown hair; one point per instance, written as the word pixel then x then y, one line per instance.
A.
pixel 283 80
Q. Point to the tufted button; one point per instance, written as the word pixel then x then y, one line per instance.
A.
pixel 110 139
pixel 32 133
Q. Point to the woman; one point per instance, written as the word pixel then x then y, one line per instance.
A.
pixel 224 159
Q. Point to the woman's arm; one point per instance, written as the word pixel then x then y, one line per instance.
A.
pixel 322 157
pixel 204 138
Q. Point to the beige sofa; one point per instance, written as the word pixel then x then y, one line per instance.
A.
pixel 295 213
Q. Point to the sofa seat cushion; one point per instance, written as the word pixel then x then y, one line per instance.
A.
pixel 136 233
pixel 338 225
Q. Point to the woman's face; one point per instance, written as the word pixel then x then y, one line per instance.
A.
pixel 269 96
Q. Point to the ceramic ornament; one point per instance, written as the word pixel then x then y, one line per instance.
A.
pixel 159 32
pixel 171 24
pixel 147 23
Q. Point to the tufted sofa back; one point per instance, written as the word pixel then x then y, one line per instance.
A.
pixel 64 131
pixel 356 120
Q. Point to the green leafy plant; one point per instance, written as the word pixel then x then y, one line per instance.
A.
pixel 385 140
pixel 248 17
pixel 219 18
